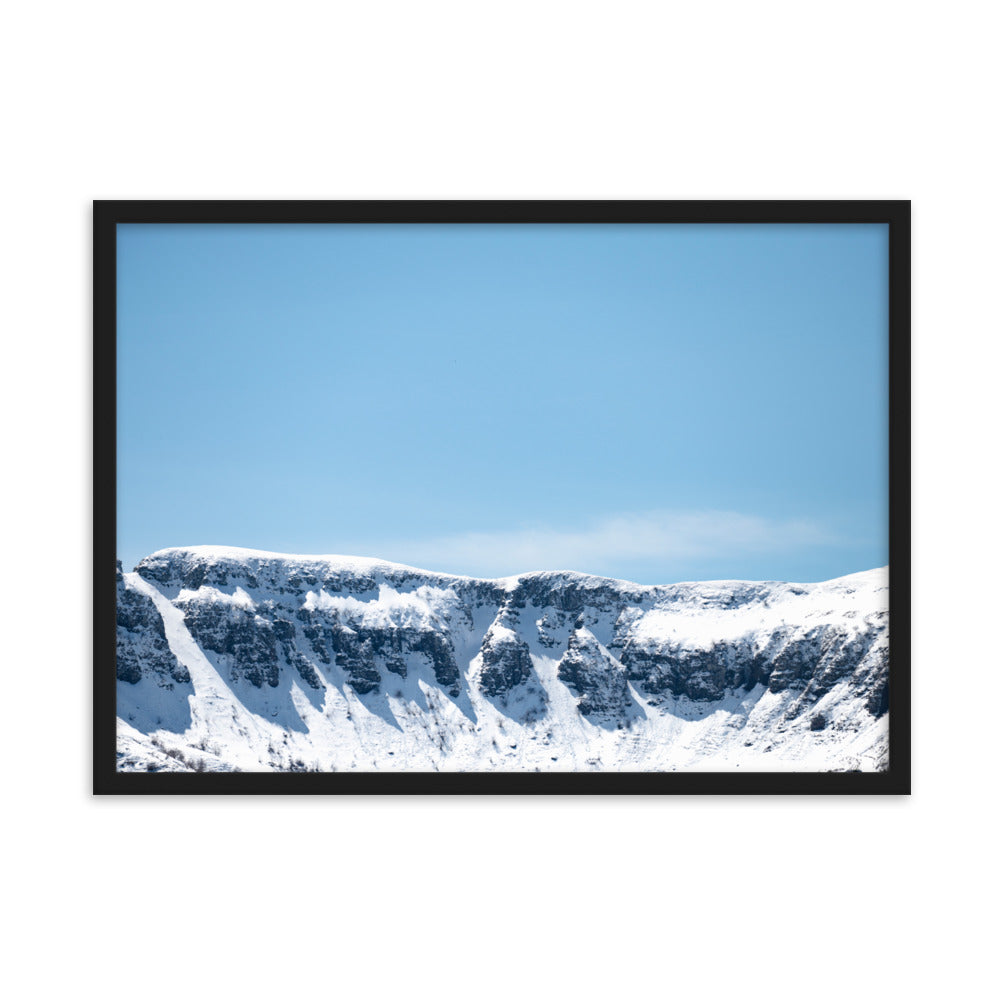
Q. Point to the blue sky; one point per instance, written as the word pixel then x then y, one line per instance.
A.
pixel 657 402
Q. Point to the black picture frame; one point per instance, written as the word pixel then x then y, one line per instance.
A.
pixel 107 215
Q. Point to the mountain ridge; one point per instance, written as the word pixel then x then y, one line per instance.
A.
pixel 340 662
pixel 222 553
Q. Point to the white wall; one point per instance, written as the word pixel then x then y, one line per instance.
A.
pixel 754 897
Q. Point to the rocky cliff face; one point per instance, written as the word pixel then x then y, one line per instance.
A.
pixel 596 677
pixel 142 650
pixel 281 661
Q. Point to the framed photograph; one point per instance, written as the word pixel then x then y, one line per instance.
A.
pixel 537 497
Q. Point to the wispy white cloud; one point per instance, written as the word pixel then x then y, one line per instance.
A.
pixel 654 538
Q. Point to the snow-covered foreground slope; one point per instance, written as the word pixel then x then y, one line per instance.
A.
pixel 232 659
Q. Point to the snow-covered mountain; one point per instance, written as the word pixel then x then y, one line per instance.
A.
pixel 233 659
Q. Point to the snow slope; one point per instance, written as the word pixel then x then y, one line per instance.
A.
pixel 234 659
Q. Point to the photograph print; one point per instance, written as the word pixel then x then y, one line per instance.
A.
pixel 527 496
